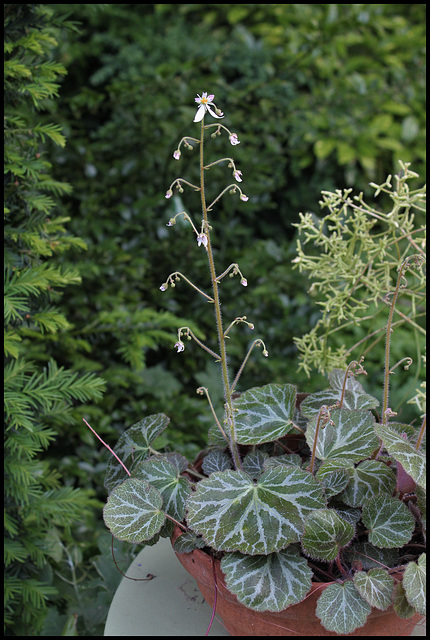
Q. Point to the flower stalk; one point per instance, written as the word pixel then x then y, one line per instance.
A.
pixel 206 105
pixel 218 318
pixel 417 259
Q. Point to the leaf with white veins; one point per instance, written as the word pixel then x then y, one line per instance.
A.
pixel 351 437
pixel 263 414
pixel 414 583
pixel 388 520
pixel 341 608
pixel 133 511
pixel 133 447
pixel 268 583
pixel 325 534
pixel 412 461
pixel 234 513
pixel 376 587
pixel 369 478
pixel 164 476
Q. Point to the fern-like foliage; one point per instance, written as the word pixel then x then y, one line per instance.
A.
pixel 38 505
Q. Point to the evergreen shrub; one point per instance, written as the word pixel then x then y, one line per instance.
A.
pixel 40 394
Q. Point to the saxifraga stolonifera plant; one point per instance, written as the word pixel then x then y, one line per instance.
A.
pixel 287 493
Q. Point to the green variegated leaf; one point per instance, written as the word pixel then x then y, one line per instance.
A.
pixel 334 476
pixel 268 583
pixel 351 437
pixel 234 513
pixel 422 506
pixel 336 379
pixel 366 480
pixel 180 461
pixel 348 513
pixel 164 476
pixel 325 534
pixel 133 511
pixel 376 587
pixel 388 520
pixel 341 608
pixel 133 447
pixel 216 461
pixel 412 461
pixel 288 459
pixel 264 414
pixel 215 437
pixel 187 542
pixel 354 398
pixel 414 583
pixel 253 463
pixel 366 556
pixel 400 603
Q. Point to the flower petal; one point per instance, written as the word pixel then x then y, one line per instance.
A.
pixel 200 113
pixel 202 239
pixel 212 112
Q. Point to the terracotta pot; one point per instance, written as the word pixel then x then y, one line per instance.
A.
pixel 299 619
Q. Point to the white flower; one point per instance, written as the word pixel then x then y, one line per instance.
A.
pixel 169 194
pixel 164 287
pixel 244 282
pixel 244 197
pixel 238 175
pixel 206 102
pixel 234 139
pixel 179 346
pixel 177 154
pixel 202 239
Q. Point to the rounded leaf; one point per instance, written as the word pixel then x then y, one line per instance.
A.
pixel 388 520
pixel 325 534
pixel 264 414
pixel 133 447
pixel 268 583
pixel 412 461
pixel 234 513
pixel 368 479
pixel 216 461
pixel 133 511
pixel 351 437
pixel 414 583
pixel 400 603
pixel 334 476
pixel 376 587
pixel 341 608
pixel 164 476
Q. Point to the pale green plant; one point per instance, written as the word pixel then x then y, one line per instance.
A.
pixel 290 490
pixel 350 255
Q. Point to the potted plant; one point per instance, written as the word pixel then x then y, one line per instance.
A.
pixel 303 509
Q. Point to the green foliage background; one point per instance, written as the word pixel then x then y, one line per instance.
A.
pixel 321 96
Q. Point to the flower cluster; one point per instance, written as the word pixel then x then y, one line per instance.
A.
pixel 206 106
pixel 206 102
